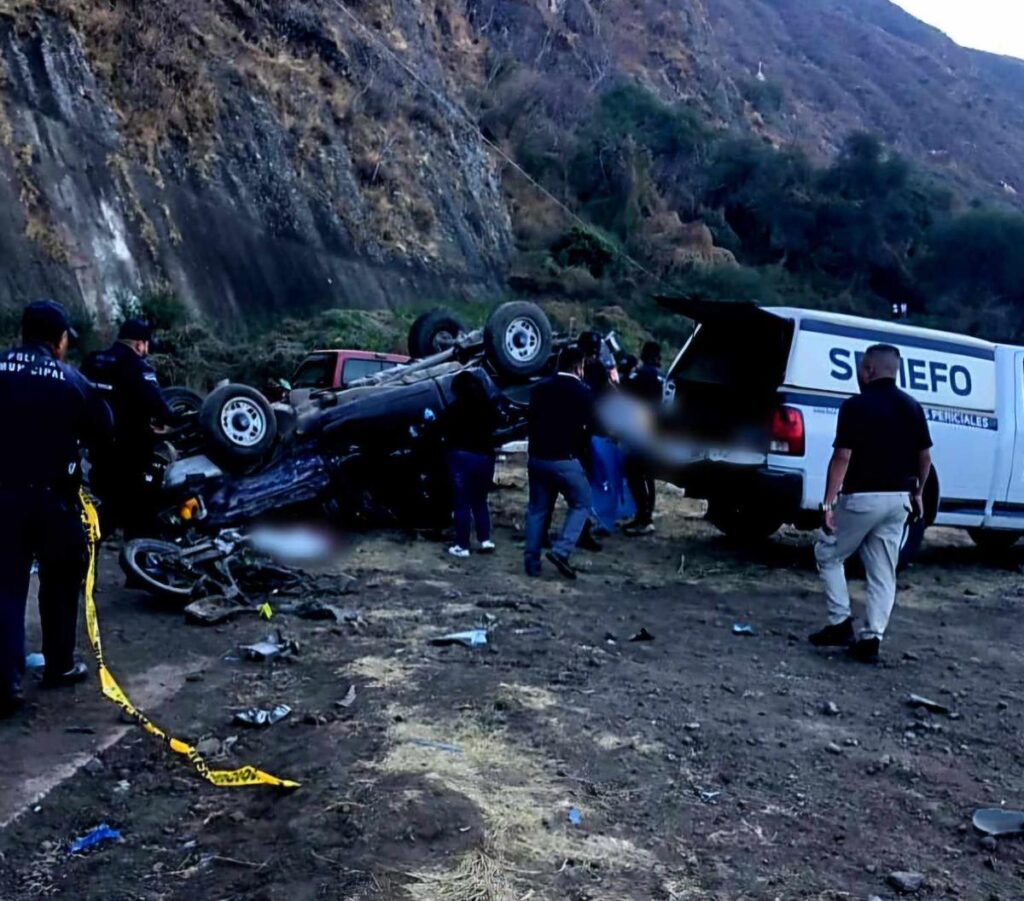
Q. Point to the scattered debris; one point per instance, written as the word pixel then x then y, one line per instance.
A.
pixel 257 716
pixel 102 833
pixel 681 569
pixel 906 883
pixel 271 647
pixel 999 821
pixel 931 706
pixel 474 638
pixel 709 797
pixel 743 629
pixel 213 610
pixel 575 817
pixel 533 631
pixel 316 610
pixel 833 748
pixel 349 699
pixel 830 708
pixel 642 635
pixel 265 610
pixel 436 745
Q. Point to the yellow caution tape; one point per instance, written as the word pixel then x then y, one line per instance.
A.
pixel 246 775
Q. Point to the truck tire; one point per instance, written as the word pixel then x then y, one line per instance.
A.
pixel 518 339
pixel 238 424
pixel 183 401
pixel 994 539
pixel 740 523
pixel 433 332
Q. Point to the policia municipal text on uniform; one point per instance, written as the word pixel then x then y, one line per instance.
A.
pixel 51 413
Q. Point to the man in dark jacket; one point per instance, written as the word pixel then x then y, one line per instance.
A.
pixel 560 425
pixel 50 413
pixel 131 388
pixel 646 383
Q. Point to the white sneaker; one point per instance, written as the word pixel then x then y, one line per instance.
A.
pixel 457 551
pixel 487 547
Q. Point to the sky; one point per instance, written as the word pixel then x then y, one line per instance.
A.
pixel 993 25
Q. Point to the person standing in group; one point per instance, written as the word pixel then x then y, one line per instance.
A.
pixel 50 412
pixel 560 423
pixel 469 426
pixel 129 383
pixel 647 384
pixel 876 477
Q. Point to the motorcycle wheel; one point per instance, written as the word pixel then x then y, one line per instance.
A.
pixel 160 567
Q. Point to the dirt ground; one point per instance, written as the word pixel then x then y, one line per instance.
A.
pixel 702 764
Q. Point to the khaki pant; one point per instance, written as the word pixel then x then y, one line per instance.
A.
pixel 872 524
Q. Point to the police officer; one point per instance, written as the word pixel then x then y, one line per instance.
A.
pixel 131 388
pixel 49 412
pixel 880 464
pixel 646 383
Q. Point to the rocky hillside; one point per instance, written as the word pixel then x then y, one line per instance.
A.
pixel 269 155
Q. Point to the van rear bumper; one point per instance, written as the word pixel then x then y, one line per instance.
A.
pixel 755 486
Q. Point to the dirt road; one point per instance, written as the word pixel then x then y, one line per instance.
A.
pixel 701 764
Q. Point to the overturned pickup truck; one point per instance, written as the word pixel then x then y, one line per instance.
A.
pixel 364 454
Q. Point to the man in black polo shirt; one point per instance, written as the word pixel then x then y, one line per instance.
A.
pixel 560 423
pixel 876 477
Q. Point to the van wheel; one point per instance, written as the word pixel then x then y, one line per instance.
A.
pixel 741 523
pixel 433 332
pixel 238 424
pixel 518 339
pixel 994 539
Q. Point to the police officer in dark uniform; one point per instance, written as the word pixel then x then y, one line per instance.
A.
pixel 50 413
pixel 130 386
pixel 646 383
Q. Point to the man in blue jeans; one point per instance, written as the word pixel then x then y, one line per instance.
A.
pixel 560 423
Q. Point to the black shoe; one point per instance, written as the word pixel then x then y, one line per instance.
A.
pixel 864 651
pixel 587 542
pixel 10 704
pixel 562 564
pixel 78 673
pixel 638 527
pixel 533 572
pixel 838 636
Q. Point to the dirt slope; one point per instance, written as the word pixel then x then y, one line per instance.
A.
pixel 703 765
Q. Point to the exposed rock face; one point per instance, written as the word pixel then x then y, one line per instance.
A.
pixel 269 155
pixel 290 173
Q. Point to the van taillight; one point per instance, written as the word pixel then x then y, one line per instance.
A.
pixel 787 434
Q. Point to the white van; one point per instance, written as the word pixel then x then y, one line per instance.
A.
pixel 760 388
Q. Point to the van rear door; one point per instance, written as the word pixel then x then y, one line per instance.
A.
pixel 727 378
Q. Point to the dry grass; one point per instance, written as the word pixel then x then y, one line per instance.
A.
pixel 383 671
pixel 523 808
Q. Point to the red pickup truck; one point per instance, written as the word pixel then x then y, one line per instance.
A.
pixel 339 368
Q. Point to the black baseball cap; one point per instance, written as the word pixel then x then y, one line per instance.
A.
pixel 46 319
pixel 135 330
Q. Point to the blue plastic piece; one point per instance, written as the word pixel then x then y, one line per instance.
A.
pixel 35 661
pixel 575 817
pixel 102 833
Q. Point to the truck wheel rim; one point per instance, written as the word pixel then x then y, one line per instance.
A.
pixel 522 340
pixel 242 422
pixel 443 340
